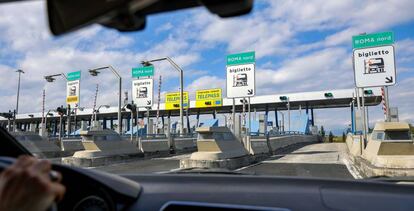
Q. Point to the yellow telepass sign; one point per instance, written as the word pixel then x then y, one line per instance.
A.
pixel 208 98
pixel 172 100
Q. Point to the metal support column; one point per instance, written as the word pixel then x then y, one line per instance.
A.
pixel 104 123
pixel 188 122
pixel 129 123
pixel 265 119
pixel 352 117
pixel 313 116
pixel 307 108
pixel 234 115
pixel 198 118
pixel 276 119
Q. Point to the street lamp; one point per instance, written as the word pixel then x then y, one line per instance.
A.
pixel 148 63
pixel 51 79
pixel 97 110
pixel 75 112
pixel 95 72
pixel 9 115
pixel 133 109
pixel 283 121
pixel 19 71
pixel 287 100
pixel 49 113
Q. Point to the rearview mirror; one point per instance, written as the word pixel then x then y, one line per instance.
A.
pixel 128 15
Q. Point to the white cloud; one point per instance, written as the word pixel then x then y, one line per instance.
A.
pixel 165 27
pixel 326 69
pixel 205 82
pixel 274 32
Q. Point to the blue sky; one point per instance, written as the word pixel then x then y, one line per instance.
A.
pixel 300 46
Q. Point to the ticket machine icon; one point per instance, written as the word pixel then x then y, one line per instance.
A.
pixel 142 92
pixel 240 80
pixel 374 65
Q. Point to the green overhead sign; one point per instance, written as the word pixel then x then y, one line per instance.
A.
pixel 241 58
pixel 142 71
pixel 372 40
pixel 73 76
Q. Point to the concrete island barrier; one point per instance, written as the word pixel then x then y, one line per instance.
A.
pixel 72 145
pixel 382 157
pixel 219 148
pixel 102 147
pixel 184 144
pixel 154 146
pixel 38 145
pixel 163 145
pixel 279 142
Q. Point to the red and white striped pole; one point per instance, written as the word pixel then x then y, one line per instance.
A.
pixel 384 104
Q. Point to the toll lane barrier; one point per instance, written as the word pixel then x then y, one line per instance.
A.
pixel 381 158
pixel 219 148
pixel 102 147
pixel 185 144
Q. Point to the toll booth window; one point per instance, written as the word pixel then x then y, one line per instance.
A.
pixel 377 136
pixel 397 135
pixel 205 136
pixel 223 136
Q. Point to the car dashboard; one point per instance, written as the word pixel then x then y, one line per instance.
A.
pixel 87 189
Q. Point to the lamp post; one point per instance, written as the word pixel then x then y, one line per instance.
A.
pixel 133 109
pixel 19 71
pixel 48 114
pixel 8 115
pixel 76 113
pixel 283 121
pixel 288 107
pixel 146 63
pixel 51 79
pixel 95 72
pixel 97 110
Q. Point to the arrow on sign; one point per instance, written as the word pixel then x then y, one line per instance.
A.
pixel 250 91
pixel 388 80
pixel 148 102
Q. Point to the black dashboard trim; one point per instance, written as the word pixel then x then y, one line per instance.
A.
pixel 205 205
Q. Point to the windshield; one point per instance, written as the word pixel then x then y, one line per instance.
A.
pixel 397 135
pixel 293 88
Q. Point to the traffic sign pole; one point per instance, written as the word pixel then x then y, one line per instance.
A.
pixel 250 123
pixel 387 103
pixel 234 115
pixel 365 130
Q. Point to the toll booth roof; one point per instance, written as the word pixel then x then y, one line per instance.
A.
pixel 388 126
pixel 212 129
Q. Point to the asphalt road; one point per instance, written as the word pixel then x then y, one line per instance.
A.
pixel 315 160
pixel 153 165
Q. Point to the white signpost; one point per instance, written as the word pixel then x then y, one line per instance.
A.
pixel 73 93
pixel 240 73
pixel 142 92
pixel 374 66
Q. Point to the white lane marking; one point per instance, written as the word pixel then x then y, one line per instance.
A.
pixel 169 171
pixel 254 164
pixel 354 172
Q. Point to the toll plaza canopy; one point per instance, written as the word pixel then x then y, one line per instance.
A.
pixel 311 100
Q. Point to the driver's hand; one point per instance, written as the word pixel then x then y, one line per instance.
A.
pixel 26 185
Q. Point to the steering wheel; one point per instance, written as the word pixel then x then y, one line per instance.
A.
pixel 5 162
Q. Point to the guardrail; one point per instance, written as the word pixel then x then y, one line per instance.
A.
pixel 190 135
pixel 152 136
